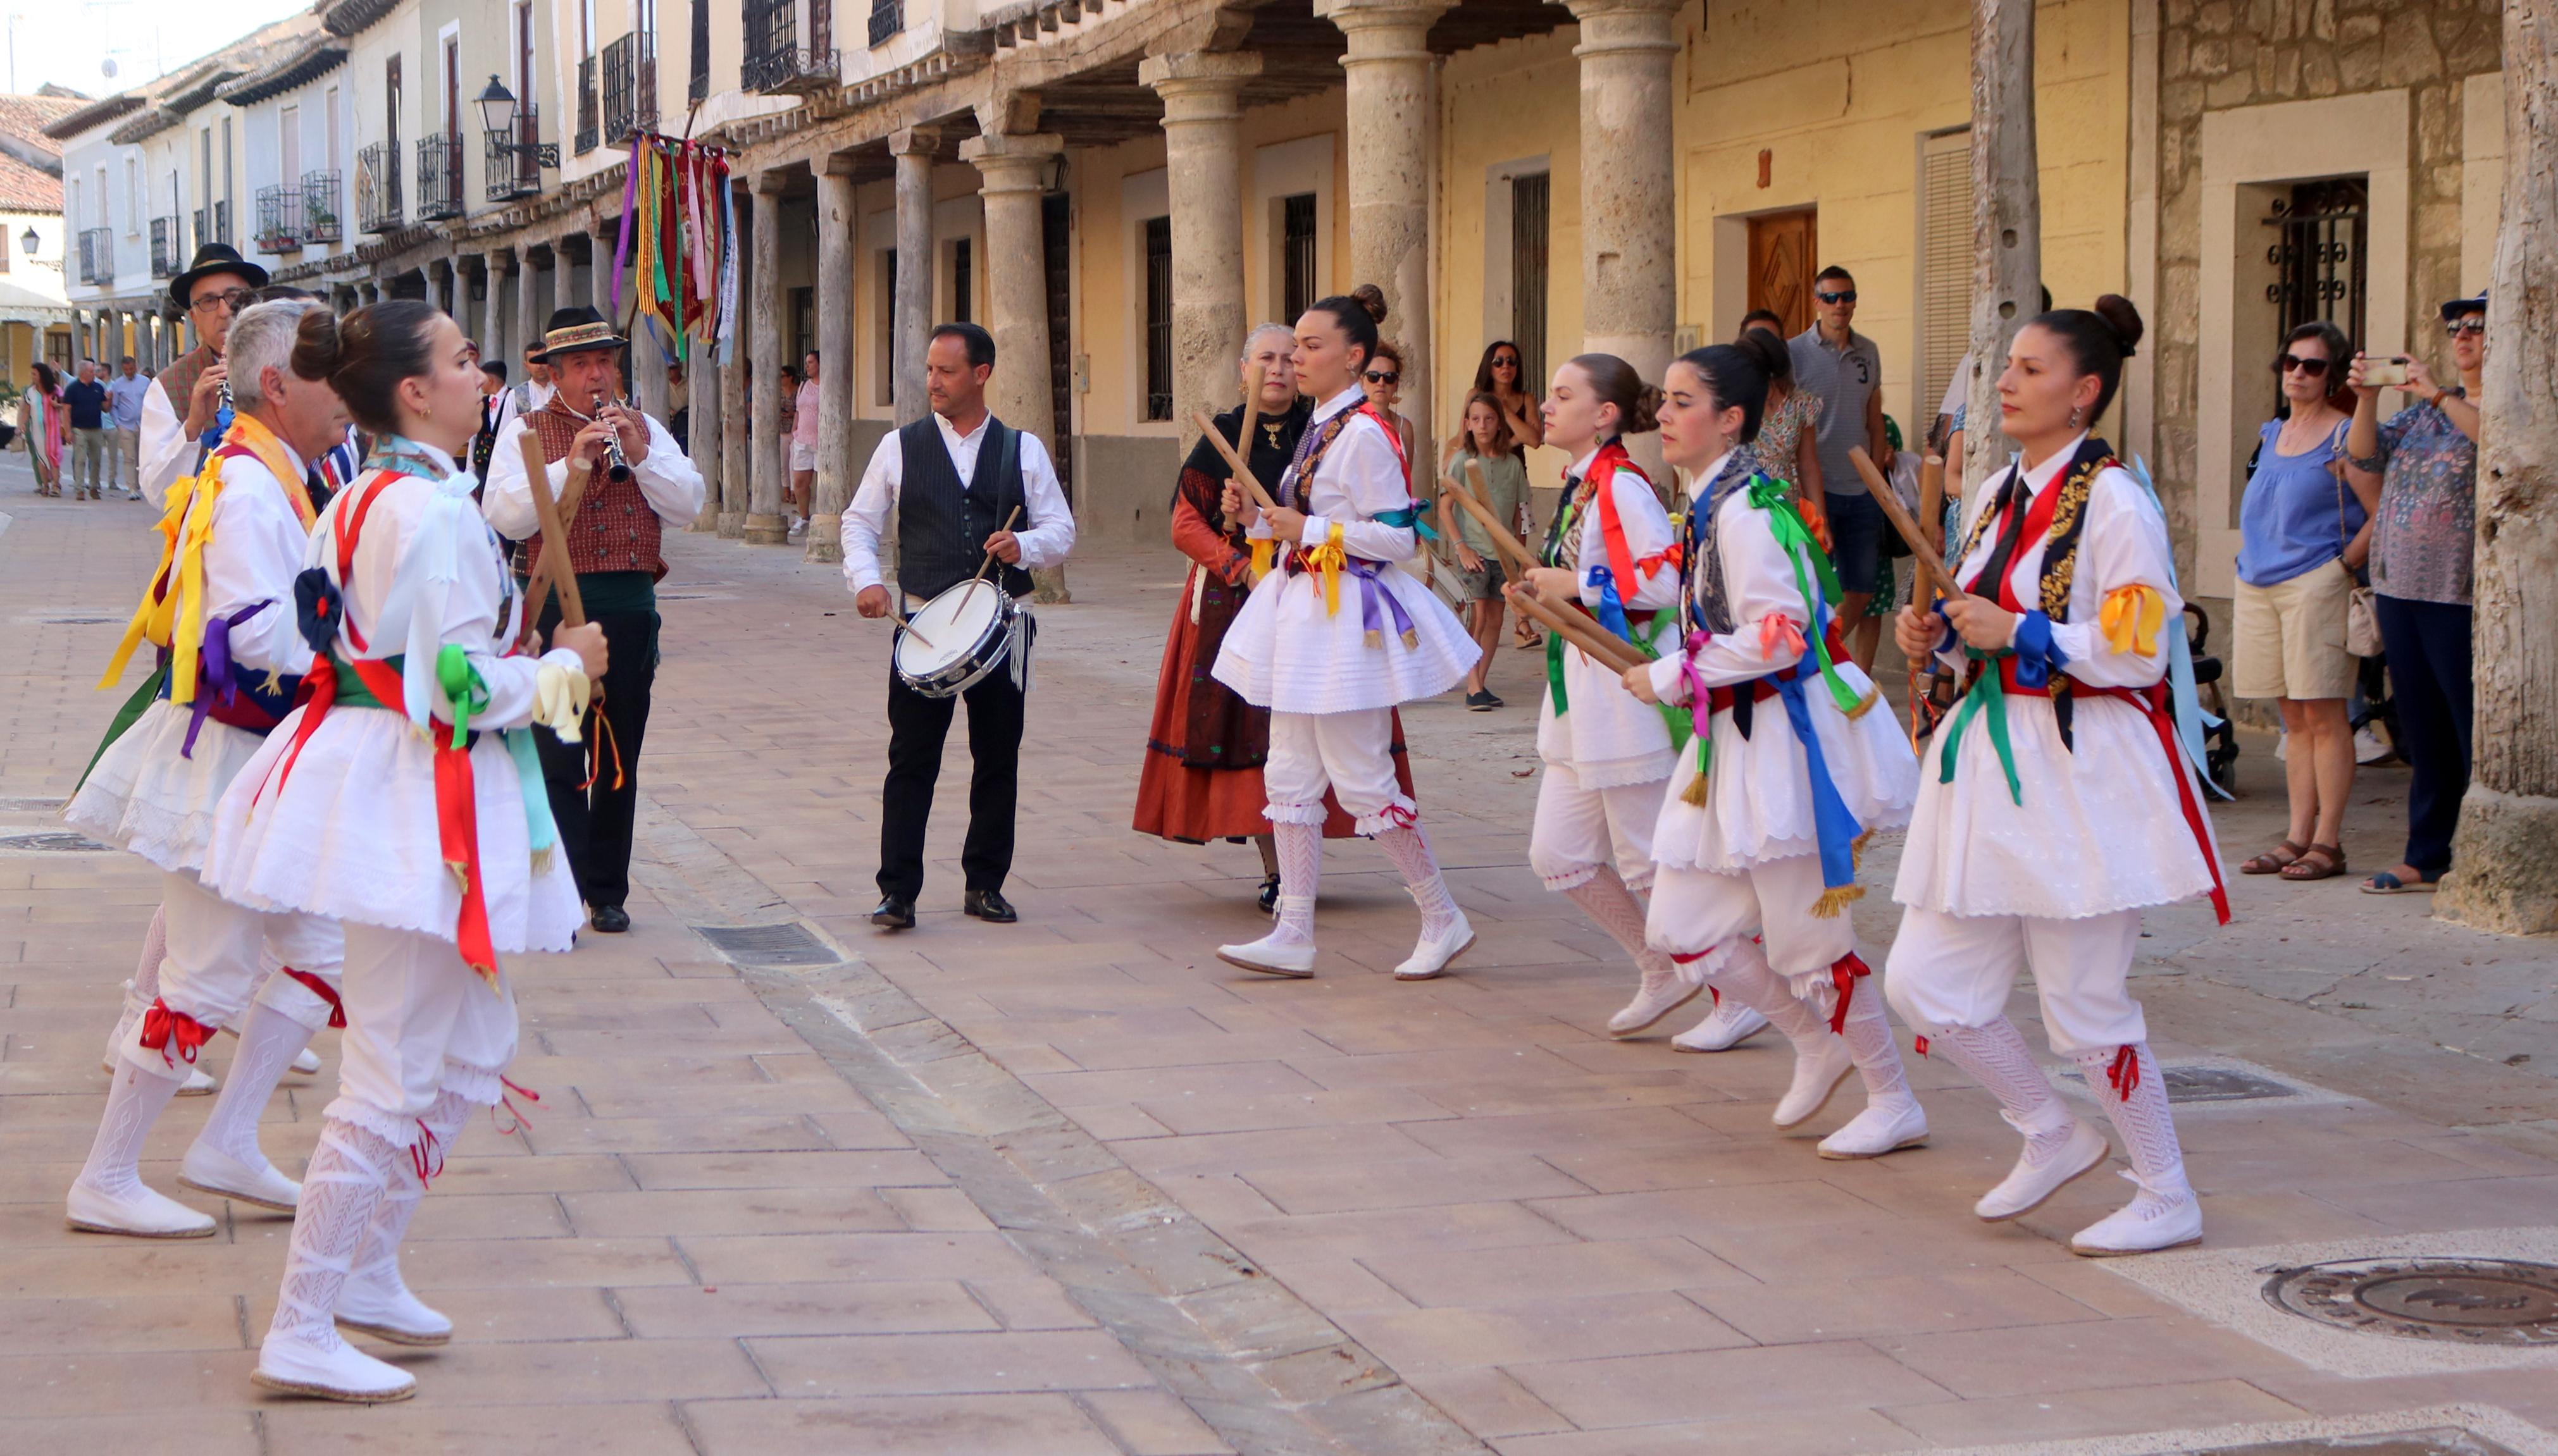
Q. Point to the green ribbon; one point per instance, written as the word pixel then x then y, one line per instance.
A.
pixel 1990 693
pixel 462 686
pixel 126 717
pixel 1681 730
pixel 1801 547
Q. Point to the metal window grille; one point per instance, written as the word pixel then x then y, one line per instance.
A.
pixel 1159 318
pixel 774 59
pixel 1531 203
pixel 439 178
pixel 1297 255
pixel 821 27
pixel 590 120
pixel 97 256
pixel 223 220
pixel 320 208
pixel 279 218
pixel 377 188
pixel 888 18
pixel 2318 257
pixel 204 221
pixel 168 246
pixel 517 173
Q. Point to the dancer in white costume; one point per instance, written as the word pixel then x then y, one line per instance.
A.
pixel 412 761
pixel 2056 804
pixel 221 608
pixel 1610 550
pixel 1757 835
pixel 1333 640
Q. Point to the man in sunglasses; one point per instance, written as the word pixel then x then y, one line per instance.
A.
pixel 185 401
pixel 1844 370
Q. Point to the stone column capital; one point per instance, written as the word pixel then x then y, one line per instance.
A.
pixel 1012 164
pixel 1229 69
pixel 911 141
pixel 1383 30
pixel 1610 27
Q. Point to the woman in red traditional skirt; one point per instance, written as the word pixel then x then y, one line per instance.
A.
pixel 1202 778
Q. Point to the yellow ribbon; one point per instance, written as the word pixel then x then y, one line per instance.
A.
pixel 1262 553
pixel 1328 561
pixel 2131 618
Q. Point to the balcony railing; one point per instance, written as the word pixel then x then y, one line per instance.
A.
pixel 97 256
pixel 279 219
pixel 322 203
pixel 439 178
pixel 793 71
pixel 168 246
pixel 774 59
pixel 590 118
pixel 222 221
pixel 888 17
pixel 630 87
pixel 377 188
pixel 515 172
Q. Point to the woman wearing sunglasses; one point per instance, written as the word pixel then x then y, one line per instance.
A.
pixel 2303 534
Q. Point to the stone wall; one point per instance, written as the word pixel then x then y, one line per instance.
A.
pixel 1123 490
pixel 2218 54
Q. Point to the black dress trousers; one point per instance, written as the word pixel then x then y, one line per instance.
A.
pixel 917 727
pixel 595 821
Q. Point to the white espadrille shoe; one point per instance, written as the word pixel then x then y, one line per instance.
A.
pixel 2051 1159
pixel 208 1170
pixel 1817 1074
pixel 2154 1218
pixel 1730 1025
pixel 1884 1126
pixel 1433 953
pixel 1657 997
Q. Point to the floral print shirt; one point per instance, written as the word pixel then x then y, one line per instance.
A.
pixel 2426 528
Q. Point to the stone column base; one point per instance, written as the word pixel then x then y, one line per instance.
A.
pixel 1047 587
pixel 766 530
pixel 2506 854
pixel 731 524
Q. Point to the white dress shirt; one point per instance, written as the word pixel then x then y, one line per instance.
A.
pixel 1044 541
pixel 667 478
pixel 168 455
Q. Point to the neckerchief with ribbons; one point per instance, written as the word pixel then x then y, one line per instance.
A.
pixel 1328 560
pixel 1564 538
pixel 1706 612
pixel 2130 618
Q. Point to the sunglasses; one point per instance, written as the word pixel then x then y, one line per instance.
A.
pixel 2314 369
pixel 2474 324
pixel 1843 296
pixel 1383 376
pixel 1503 361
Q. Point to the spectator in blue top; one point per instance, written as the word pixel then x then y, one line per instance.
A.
pixel 2302 533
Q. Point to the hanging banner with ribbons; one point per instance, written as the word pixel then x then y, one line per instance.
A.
pixel 676 249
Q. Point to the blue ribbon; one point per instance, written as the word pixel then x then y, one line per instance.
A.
pixel 1834 829
pixel 2186 704
pixel 2038 656
pixel 1410 518
pixel 1612 608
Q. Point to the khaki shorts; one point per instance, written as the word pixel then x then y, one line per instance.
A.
pixel 2289 639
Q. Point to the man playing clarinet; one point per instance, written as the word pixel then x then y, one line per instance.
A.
pixel 965 488
pixel 590 435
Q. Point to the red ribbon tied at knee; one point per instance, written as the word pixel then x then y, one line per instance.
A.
pixel 1843 974
pixel 325 991
pixel 2125 1074
pixel 166 1031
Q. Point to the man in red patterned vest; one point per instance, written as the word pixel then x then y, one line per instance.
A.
pixel 615 527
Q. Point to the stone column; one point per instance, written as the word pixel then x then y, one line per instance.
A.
pixel 1204 155
pixel 1629 195
pixel 764 525
pixel 492 315
pixel 914 149
pixel 599 271
pixel 1014 172
pixel 1392 110
pixel 528 318
pixel 736 438
pixel 837 471
pixel 2007 215
pixel 708 383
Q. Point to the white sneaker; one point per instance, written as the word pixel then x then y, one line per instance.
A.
pixel 2151 1221
pixel 199 1083
pixel 1651 1003
pixel 337 1371
pixel 140 1214
pixel 1730 1025
pixel 1884 1126
pixel 1432 953
pixel 2037 1177
pixel 208 1170
pixel 2369 747
pixel 1816 1076
pixel 306 1062
pixel 1275 954
pixel 379 1303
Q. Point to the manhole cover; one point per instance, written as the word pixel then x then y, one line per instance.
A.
pixel 2214 1084
pixel 787 943
pixel 2463 1301
pixel 53 842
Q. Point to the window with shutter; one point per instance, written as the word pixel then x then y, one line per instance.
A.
pixel 1945 263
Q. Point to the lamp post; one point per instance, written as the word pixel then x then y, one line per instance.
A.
pixel 498 120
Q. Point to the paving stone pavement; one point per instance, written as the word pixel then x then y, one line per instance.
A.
pixel 984 1189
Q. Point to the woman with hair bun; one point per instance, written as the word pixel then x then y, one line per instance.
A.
pixel 2057 804
pixel 1608 552
pixel 404 800
pixel 1757 833
pixel 1335 638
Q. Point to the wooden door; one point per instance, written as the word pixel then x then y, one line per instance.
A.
pixel 1782 248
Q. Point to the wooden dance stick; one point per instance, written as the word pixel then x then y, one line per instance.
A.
pixel 1580 630
pixel 1930 568
pixel 1251 411
pixel 555 559
pixel 1503 542
pixel 1242 471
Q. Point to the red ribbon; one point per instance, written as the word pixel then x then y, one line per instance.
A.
pixel 1843 974
pixel 325 991
pixel 426 1154
pixel 164 1030
pixel 2125 1074
pixel 517 1113
pixel 1919 1044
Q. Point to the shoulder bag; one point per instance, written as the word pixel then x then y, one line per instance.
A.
pixel 2361 620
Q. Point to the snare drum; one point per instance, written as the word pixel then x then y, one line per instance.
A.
pixel 954 640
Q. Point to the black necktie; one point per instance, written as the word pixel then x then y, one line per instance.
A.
pixel 2013 502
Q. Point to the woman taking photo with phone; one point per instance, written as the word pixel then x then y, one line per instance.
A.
pixel 2302 535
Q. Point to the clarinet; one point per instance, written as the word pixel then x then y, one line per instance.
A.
pixel 616 469
pixel 222 425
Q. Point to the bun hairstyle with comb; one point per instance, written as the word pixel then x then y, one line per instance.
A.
pixel 2098 341
pixel 1614 381
pixel 1357 312
pixel 1736 374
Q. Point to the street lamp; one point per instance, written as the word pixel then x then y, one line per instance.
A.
pixel 27 242
pixel 498 120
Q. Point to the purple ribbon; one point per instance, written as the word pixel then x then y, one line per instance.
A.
pixel 1369 594
pixel 214 670
pixel 630 216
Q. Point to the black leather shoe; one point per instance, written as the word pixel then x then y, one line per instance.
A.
pixel 989 905
pixel 612 919
pixel 893 914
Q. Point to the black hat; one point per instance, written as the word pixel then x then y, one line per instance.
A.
pixel 574 330
pixel 2458 307
pixel 209 259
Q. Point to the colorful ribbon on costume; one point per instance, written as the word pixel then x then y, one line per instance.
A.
pixel 2037 655
pixel 2130 618
pixel 1795 539
pixel 1326 562
pixel 1372 594
pixel 1843 974
pixel 218 681
pixel 325 991
pixel 166 1031
pixel 1834 827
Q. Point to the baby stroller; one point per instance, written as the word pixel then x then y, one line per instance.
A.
pixel 2219 734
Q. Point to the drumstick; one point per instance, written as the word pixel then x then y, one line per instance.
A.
pixel 985 566
pixel 1884 495
pixel 907 625
pixel 1242 471
pixel 555 562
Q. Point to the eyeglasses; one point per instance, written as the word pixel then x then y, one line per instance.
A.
pixel 2314 368
pixel 1383 376
pixel 2471 323
pixel 233 299
pixel 1843 296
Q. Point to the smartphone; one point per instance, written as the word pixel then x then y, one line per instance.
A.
pixel 2388 372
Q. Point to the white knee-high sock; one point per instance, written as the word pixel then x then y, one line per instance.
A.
pixel 133 1104
pixel 1300 851
pixel 341 1194
pixel 1869 1039
pixel 2139 1111
pixel 1746 978
pixel 1605 898
pixel 144 988
pixel 1409 848
pixel 377 1259
pixel 269 1040
pixel 1997 1058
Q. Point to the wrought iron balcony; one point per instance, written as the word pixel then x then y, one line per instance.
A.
pixel 439 178
pixel 97 256
pixel 204 219
pixel 222 221
pixel 888 17
pixel 377 188
pixel 514 165
pixel 322 203
pixel 794 72
pixel 279 219
pixel 630 87
pixel 168 246
pixel 774 59
pixel 590 117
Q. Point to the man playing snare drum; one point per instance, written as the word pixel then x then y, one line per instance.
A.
pixel 955 480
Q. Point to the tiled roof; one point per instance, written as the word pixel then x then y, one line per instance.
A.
pixel 26 117
pixel 94 113
pixel 25 189
pixel 312 56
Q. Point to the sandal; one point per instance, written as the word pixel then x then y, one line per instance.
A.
pixel 2317 862
pixel 2276 860
pixel 2387 883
